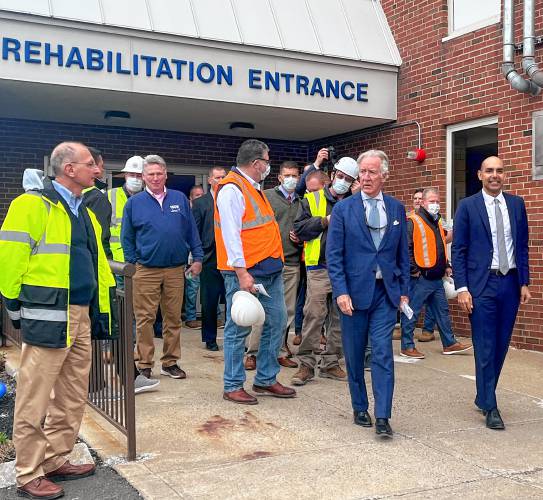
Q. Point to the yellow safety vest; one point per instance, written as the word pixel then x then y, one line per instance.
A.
pixel 317 206
pixel 117 197
pixel 35 241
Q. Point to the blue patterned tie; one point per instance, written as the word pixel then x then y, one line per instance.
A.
pixel 374 221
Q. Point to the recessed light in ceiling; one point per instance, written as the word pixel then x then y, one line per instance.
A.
pixel 116 115
pixel 245 125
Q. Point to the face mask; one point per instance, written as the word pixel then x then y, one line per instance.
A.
pixel 433 209
pixel 265 174
pixel 133 184
pixel 341 186
pixel 289 183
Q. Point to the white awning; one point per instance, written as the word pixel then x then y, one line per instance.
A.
pixel 224 60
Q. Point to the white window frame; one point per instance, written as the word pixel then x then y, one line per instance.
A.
pixel 451 129
pixel 483 23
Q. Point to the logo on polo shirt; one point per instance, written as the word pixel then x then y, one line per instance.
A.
pixel 174 209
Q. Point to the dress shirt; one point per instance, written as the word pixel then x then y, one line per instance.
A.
pixel 231 207
pixel 158 197
pixel 289 196
pixel 382 216
pixel 73 201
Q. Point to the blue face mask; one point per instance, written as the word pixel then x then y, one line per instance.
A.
pixel 341 186
pixel 289 183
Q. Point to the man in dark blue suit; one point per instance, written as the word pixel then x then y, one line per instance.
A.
pixel 368 264
pixel 490 265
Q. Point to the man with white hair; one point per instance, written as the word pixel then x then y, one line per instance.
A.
pixel 368 264
pixel 158 232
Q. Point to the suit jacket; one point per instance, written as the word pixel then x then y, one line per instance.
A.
pixel 353 259
pixel 472 248
pixel 202 209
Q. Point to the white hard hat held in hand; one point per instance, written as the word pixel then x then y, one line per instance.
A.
pixel 348 166
pixel 246 309
pixel 450 290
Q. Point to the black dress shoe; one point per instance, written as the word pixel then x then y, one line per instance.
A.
pixel 212 346
pixel 362 418
pixel 382 427
pixel 494 420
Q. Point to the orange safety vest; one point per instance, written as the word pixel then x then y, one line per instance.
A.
pixel 260 236
pixel 424 242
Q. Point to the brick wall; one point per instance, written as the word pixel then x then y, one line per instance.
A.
pixel 24 143
pixel 445 83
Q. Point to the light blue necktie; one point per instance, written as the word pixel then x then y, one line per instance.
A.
pixel 374 221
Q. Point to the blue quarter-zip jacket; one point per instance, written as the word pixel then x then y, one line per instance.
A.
pixel 160 237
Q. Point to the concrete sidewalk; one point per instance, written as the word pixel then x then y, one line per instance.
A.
pixel 200 446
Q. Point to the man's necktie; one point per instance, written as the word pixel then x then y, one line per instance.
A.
pixel 503 261
pixel 374 221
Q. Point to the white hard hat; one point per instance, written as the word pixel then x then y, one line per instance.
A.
pixel 348 166
pixel 134 165
pixel 450 290
pixel 246 309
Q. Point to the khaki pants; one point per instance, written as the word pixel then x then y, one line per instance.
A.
pixel 291 277
pixel 66 372
pixel 316 312
pixel 154 286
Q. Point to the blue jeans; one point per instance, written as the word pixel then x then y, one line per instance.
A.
pixel 431 293
pixel 267 366
pixel 191 292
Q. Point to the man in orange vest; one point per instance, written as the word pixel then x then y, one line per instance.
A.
pixel 429 264
pixel 250 257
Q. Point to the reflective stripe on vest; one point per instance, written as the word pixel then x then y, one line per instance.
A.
pixel 18 237
pixel 117 197
pixel 44 314
pixel 424 242
pixel 14 315
pixel 317 207
pixel 40 248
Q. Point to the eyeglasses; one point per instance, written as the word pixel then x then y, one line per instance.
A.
pixel 266 160
pixel 90 164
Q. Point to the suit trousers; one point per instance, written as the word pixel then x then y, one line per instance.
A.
pixel 154 286
pixel 492 322
pixel 291 276
pixel 65 371
pixel 316 311
pixel 376 323
pixel 211 291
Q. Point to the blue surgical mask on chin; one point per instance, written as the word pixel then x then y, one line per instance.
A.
pixel 341 186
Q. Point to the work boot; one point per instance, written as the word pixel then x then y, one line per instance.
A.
pixel 335 373
pixel 303 375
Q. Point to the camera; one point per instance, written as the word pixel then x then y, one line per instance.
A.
pixel 332 158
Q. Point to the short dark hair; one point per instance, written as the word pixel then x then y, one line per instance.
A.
pixel 195 187
pixel 289 164
pixel 419 190
pixel 95 153
pixel 250 150
pixel 212 169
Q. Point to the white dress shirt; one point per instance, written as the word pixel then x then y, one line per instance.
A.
pixel 231 207
pixel 382 216
pixel 490 210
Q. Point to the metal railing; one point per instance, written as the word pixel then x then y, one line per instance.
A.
pixel 111 384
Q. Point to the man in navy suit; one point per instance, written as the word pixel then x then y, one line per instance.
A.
pixel 368 264
pixel 490 265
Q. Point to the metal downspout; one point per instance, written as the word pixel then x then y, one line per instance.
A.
pixel 508 67
pixel 528 48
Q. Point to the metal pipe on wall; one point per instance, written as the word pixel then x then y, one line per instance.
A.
pixel 517 81
pixel 528 48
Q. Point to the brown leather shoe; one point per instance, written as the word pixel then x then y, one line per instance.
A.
pixel 68 471
pixel 193 324
pixel 277 390
pixel 335 373
pixel 425 337
pixel 40 488
pixel 287 363
pixel 457 348
pixel 303 375
pixel 241 397
pixel 250 362
pixel 411 353
pixel 297 340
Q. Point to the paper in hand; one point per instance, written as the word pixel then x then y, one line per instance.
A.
pixel 260 289
pixel 407 310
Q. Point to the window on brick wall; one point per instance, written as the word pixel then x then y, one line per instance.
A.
pixel 469 15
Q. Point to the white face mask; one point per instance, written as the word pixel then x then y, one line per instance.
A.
pixel 265 174
pixel 341 186
pixel 134 184
pixel 433 209
pixel 289 183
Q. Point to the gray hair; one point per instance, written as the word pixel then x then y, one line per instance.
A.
pixel 63 153
pixel 375 153
pixel 429 190
pixel 154 160
pixel 249 151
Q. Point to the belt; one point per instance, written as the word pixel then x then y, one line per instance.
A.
pixel 497 272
